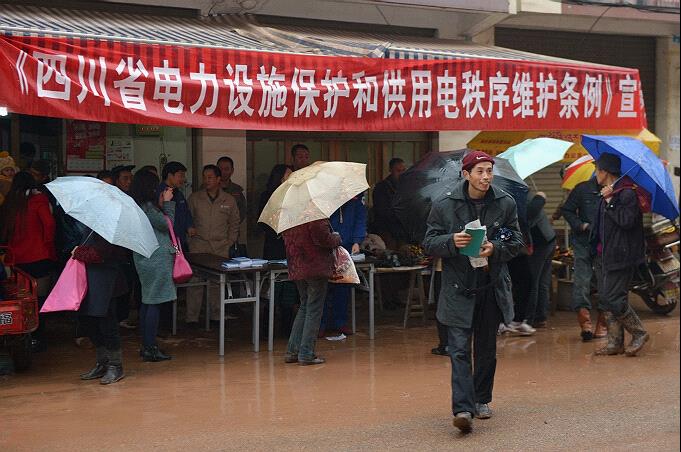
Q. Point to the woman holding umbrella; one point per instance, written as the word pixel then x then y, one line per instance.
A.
pixel 156 271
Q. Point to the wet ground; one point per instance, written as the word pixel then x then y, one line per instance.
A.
pixel 550 394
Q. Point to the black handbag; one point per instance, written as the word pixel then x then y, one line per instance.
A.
pixel 238 250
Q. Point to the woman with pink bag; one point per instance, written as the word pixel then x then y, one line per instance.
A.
pixel 155 272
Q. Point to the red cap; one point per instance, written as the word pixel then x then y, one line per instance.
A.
pixel 473 158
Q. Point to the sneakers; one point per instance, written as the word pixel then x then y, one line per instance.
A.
pixel 503 329
pixel 483 411
pixel 345 330
pixel 311 362
pixel 463 421
pixel 127 324
pixel 521 328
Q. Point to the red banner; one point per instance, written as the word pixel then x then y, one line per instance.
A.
pixel 127 82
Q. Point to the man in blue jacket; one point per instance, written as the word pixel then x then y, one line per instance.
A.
pixel 350 221
pixel 174 175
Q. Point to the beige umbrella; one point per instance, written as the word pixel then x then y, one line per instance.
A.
pixel 313 193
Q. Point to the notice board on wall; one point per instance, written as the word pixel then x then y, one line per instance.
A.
pixel 85 143
pixel 119 151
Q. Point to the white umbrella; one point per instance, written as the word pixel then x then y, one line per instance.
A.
pixel 313 193
pixel 106 210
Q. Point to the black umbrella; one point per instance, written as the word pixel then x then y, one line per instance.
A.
pixel 435 174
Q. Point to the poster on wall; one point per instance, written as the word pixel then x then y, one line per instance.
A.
pixel 119 151
pixel 85 141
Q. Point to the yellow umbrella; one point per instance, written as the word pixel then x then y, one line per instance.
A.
pixel 581 170
pixel 497 142
pixel 313 193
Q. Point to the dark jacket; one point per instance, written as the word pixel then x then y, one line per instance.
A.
pixel 618 231
pixel 350 221
pixel 384 218
pixel 183 216
pixel 541 231
pixel 309 250
pixel 581 207
pixel 105 278
pixel 273 247
pixel 449 214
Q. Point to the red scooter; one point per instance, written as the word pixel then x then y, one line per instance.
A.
pixel 18 316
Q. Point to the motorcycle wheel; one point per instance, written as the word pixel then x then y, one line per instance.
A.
pixel 21 353
pixel 652 300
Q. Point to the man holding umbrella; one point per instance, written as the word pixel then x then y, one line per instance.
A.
pixel 473 301
pixel 619 245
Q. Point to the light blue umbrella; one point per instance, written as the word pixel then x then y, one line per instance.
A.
pixel 535 154
pixel 106 210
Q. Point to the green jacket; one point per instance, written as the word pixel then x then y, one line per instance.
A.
pixel 449 214
pixel 156 272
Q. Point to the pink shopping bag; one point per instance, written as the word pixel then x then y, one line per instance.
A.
pixel 70 289
pixel 182 271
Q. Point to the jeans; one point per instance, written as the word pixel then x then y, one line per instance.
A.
pixel 306 325
pixel 539 264
pixel 582 277
pixel 103 331
pixel 149 319
pixel 613 288
pixel 335 314
pixel 473 379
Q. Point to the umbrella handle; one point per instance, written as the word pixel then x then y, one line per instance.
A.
pixel 533 184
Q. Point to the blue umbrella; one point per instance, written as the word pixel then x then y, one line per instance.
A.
pixel 642 166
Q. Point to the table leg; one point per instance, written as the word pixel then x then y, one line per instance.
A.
pixel 410 294
pixel 222 315
pixel 174 317
pixel 372 271
pixel 207 295
pixel 352 301
pixel 256 312
pixel 270 332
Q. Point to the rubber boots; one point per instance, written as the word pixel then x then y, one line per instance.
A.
pixel 615 345
pixel 639 336
pixel 584 319
pixel 601 326
pixel 100 368
pixel 114 370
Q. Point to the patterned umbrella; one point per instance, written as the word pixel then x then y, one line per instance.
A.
pixel 313 193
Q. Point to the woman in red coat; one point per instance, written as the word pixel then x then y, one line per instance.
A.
pixel 27 227
pixel 309 250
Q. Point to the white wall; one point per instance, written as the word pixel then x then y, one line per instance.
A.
pixel 453 140
pixel 667 103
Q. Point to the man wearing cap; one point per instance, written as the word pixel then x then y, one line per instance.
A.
pixel 473 301
pixel 618 243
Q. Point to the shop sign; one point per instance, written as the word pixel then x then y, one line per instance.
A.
pixel 215 88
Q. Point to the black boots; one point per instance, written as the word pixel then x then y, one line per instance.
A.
pixel 615 344
pixel 633 325
pixel 114 370
pixel 151 353
pixel 100 368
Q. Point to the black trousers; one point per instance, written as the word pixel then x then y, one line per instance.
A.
pixel 613 288
pixel 473 368
pixel 103 331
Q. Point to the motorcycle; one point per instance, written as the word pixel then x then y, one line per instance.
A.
pixel 657 280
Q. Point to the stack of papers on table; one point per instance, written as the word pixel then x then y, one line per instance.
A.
pixel 243 262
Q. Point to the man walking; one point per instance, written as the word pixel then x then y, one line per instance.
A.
pixel 473 301
pixel 617 241
pixel 216 223
pixel 580 211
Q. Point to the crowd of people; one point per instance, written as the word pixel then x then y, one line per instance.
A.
pixel 507 285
